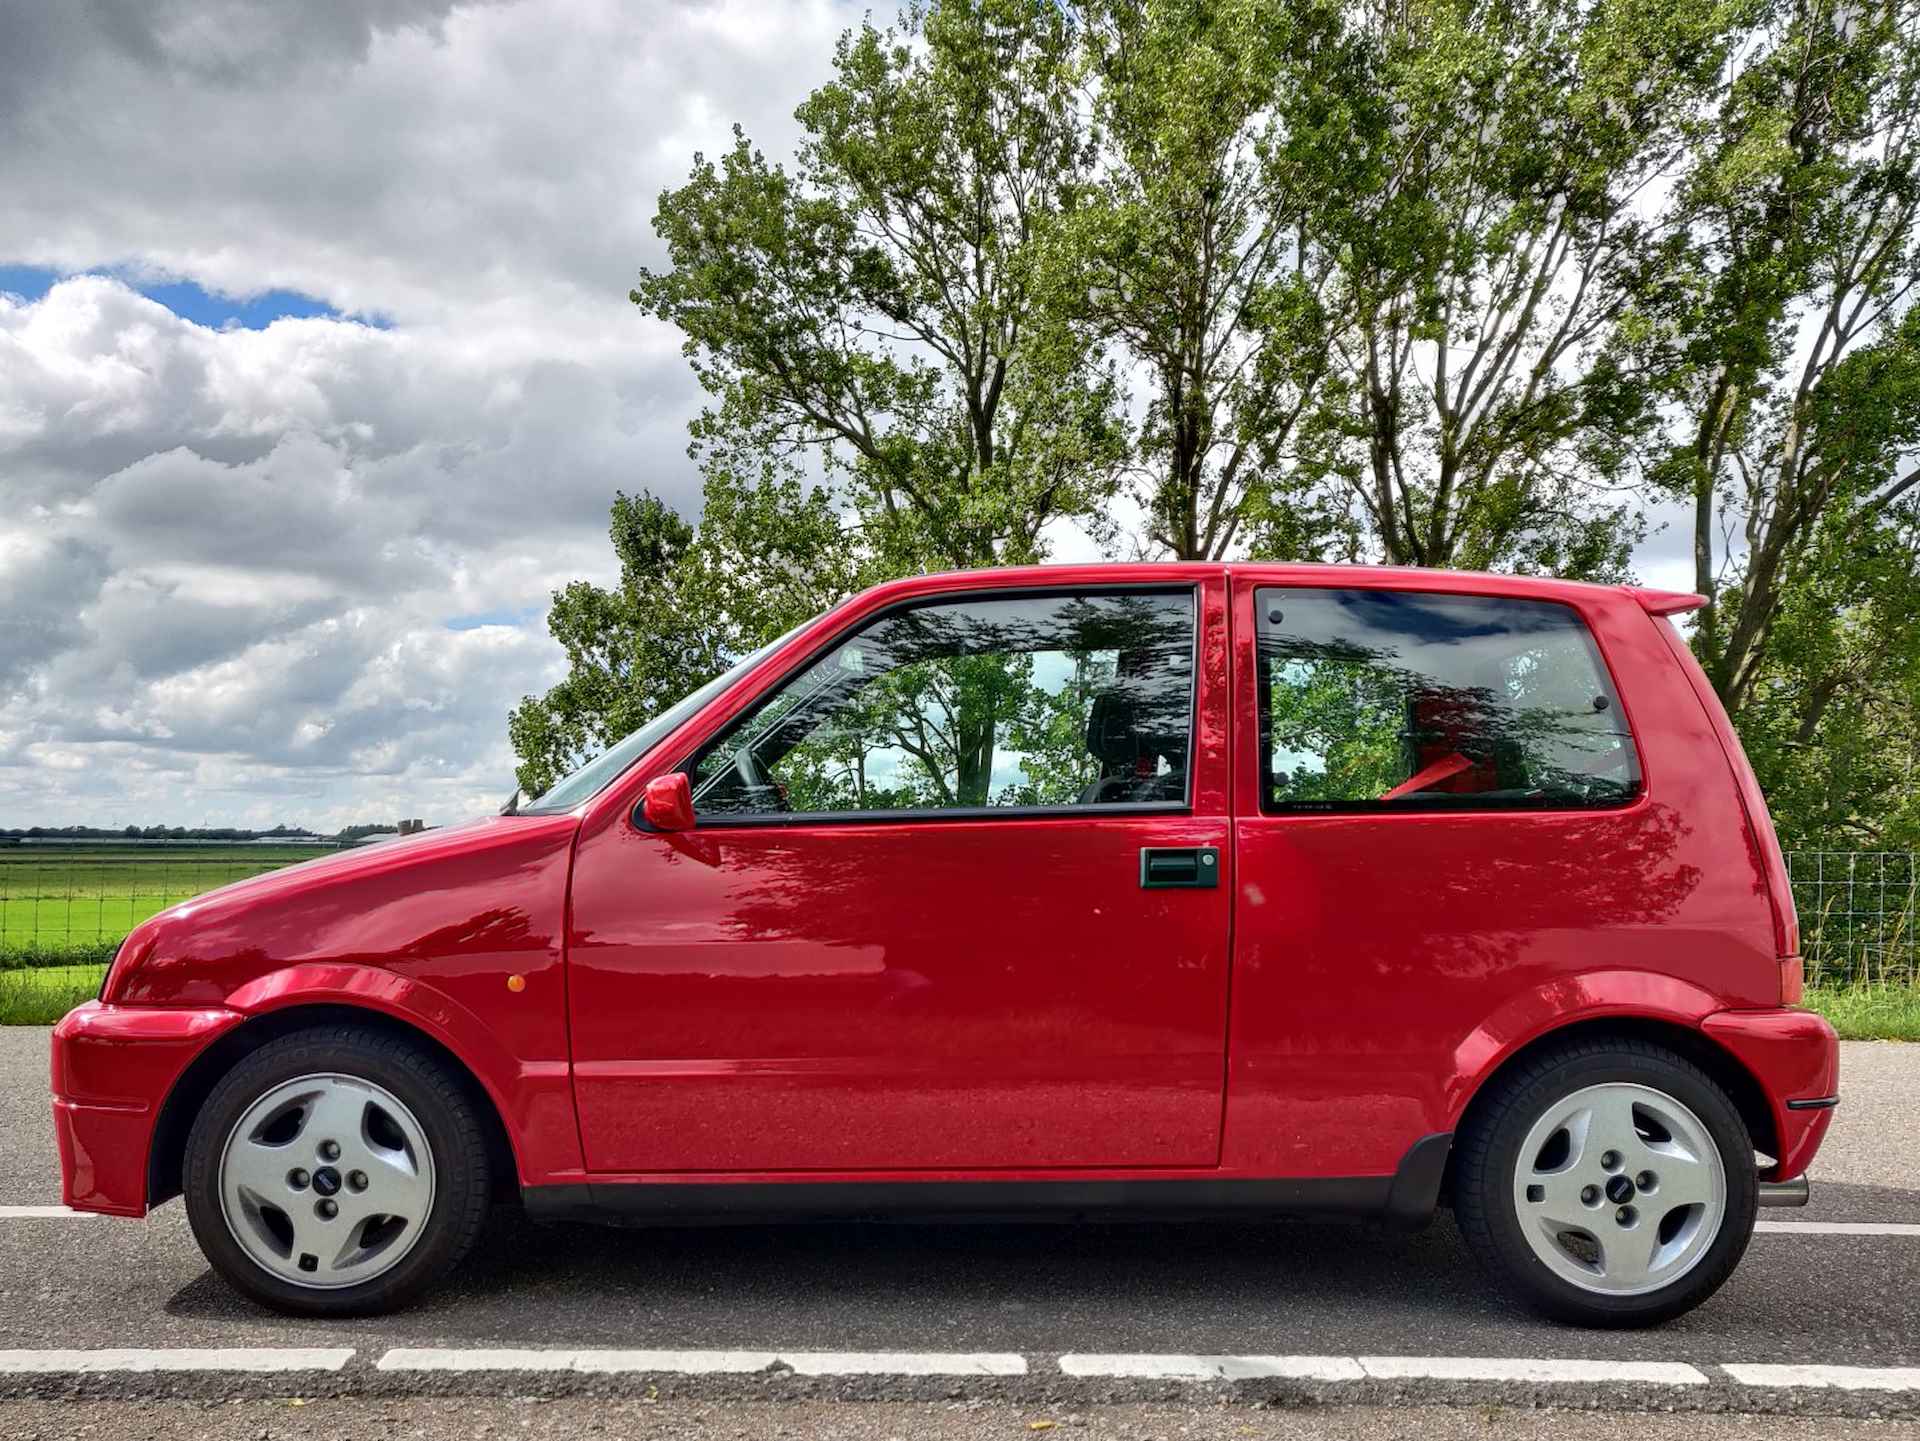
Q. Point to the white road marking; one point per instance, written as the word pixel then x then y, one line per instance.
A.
pixel 1512 1368
pixel 1837 1228
pixel 210 1358
pixel 905 1363
pixel 957 1363
pixel 1845 1378
pixel 1379 1368
pixel 44 1213
pixel 1215 1368
pixel 599 1362
pixel 706 1363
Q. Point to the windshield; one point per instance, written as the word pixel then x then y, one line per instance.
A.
pixel 594 776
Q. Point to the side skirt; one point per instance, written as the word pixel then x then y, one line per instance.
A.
pixel 1407 1198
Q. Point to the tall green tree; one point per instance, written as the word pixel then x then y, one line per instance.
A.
pixel 1494 245
pixel 876 313
pixel 1798 322
pixel 1832 718
pixel 1185 251
pixel 1437 282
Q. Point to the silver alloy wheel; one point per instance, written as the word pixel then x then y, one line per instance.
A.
pixel 327 1181
pixel 1620 1189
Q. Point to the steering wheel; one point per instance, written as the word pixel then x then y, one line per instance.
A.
pixel 756 783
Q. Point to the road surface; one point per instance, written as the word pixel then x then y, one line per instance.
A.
pixel 962 1330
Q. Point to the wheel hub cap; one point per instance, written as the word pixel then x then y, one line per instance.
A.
pixel 327 1181
pixel 1620 1189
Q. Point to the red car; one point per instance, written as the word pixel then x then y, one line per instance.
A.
pixel 1152 888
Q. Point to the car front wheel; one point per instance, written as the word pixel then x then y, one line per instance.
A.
pixel 336 1171
pixel 1607 1183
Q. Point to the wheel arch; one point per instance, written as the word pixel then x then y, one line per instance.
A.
pixel 166 1153
pixel 1691 1043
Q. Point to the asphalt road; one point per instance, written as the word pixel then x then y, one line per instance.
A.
pixel 1034 1290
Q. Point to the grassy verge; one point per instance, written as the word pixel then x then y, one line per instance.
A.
pixel 40 995
pixel 1869 1013
pixel 59 953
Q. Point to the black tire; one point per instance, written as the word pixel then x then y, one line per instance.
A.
pixel 445 1112
pixel 1488 1154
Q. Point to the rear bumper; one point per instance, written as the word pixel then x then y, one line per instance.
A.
pixel 1795 1057
pixel 113 1068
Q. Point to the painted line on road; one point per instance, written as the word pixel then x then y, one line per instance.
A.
pixel 1213 1368
pixel 1837 1228
pixel 905 1363
pixel 595 1362
pixel 1379 1368
pixel 1114 1366
pixel 43 1213
pixel 1510 1368
pixel 707 1363
pixel 207 1358
pixel 1844 1378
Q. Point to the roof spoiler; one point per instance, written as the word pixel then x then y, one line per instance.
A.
pixel 1666 602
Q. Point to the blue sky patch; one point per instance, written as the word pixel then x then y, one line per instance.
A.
pixel 190 302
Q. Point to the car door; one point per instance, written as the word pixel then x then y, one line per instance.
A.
pixel 952 901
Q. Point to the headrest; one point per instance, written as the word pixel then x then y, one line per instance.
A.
pixel 1133 716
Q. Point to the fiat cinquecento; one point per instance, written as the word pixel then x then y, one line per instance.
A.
pixel 1140 889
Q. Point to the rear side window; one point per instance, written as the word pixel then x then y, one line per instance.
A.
pixel 1399 700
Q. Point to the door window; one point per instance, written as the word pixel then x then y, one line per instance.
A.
pixel 1008 702
pixel 1379 699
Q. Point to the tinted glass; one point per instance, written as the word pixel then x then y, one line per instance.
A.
pixel 1393 699
pixel 1028 701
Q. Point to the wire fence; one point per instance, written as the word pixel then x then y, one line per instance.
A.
pixel 1859 916
pixel 61 904
pixel 1859 910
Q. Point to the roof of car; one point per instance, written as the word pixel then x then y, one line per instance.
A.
pixel 1658 602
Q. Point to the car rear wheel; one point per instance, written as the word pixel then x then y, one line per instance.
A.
pixel 336 1171
pixel 1607 1183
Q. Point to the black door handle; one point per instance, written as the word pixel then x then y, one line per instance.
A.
pixel 1162 867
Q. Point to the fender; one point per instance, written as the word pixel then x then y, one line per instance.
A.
pixel 533 1098
pixel 1563 1002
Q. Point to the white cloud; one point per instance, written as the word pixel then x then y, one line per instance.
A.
pixel 228 559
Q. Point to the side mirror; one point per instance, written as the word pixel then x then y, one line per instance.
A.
pixel 669 803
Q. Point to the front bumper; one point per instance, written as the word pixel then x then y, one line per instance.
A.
pixel 1795 1057
pixel 113 1069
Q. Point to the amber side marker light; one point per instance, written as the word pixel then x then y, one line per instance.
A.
pixel 516 983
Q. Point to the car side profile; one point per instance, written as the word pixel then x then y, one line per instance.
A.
pixel 1084 890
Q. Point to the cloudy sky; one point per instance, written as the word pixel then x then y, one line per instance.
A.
pixel 317 375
